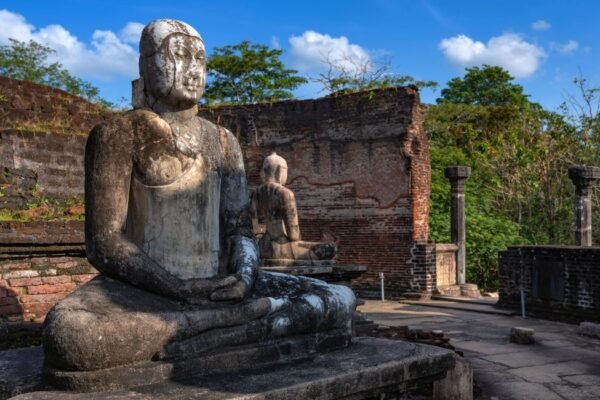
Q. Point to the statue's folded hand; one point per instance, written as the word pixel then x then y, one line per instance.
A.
pixel 231 288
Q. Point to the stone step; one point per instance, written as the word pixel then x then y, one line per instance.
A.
pixel 484 301
pixel 461 306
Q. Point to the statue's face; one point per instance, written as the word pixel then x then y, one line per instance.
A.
pixel 176 73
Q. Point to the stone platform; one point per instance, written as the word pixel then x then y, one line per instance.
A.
pixel 367 369
pixel 325 271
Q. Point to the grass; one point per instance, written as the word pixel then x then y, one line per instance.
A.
pixel 47 209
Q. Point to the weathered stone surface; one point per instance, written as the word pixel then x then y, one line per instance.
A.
pixel 583 177
pixel 458 176
pixel 520 335
pixel 458 383
pixel 367 369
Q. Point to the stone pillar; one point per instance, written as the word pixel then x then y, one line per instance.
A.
pixel 583 177
pixel 458 176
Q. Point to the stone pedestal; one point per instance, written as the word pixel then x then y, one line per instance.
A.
pixel 458 176
pixel 328 272
pixel 583 177
pixel 369 368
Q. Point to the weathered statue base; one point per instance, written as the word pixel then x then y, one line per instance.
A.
pixel 229 360
pixel 369 368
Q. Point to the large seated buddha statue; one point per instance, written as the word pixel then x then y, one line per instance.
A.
pixel 168 225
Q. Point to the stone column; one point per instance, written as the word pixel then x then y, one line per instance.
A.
pixel 458 176
pixel 583 178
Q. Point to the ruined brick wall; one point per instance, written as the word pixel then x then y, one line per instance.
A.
pixel 445 264
pixel 560 282
pixel 359 166
pixel 40 264
pixel 42 139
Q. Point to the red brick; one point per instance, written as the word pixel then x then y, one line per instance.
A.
pixel 51 280
pixel 47 289
pixel 16 282
pixel 83 278
pixel 68 264
pixel 13 266
pixel 27 273
pixel 43 298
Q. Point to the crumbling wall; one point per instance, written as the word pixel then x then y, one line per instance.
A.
pixel 359 166
pixel 42 139
pixel 560 282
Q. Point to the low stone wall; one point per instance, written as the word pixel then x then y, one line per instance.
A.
pixel 560 282
pixel 40 264
pixel 445 264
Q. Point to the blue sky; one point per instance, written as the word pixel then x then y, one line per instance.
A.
pixel 543 43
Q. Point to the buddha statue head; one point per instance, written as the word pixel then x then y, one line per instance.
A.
pixel 172 66
pixel 274 169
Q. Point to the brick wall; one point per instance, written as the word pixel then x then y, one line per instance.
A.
pixel 359 166
pixel 560 282
pixel 40 264
pixel 42 139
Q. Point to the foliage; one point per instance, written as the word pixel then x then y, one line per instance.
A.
pixel 487 232
pixel 485 86
pixel 249 73
pixel 519 191
pixel 29 62
pixel 349 75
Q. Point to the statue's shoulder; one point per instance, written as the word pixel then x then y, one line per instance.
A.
pixel 114 129
pixel 228 141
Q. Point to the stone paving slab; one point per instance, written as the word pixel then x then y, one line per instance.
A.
pixel 552 372
pixel 486 348
pixel 560 365
pixel 576 393
pixel 525 358
pixel 521 391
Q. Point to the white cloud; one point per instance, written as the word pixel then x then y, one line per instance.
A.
pixel 275 43
pixel 313 51
pixel 107 56
pixel 131 33
pixel 509 51
pixel 565 49
pixel 541 25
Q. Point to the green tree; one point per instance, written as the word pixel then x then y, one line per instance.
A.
pixel 349 75
pixel 485 86
pixel 28 61
pixel 249 73
pixel 519 192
